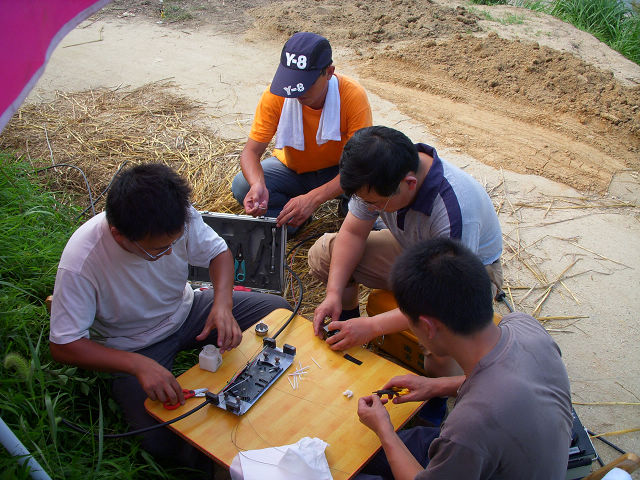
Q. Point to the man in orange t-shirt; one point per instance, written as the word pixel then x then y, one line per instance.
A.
pixel 312 112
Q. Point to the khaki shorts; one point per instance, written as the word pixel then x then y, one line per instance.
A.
pixel 374 268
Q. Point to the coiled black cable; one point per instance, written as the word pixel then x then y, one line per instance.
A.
pixel 78 428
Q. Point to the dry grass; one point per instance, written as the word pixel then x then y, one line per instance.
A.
pixel 99 130
pixel 537 264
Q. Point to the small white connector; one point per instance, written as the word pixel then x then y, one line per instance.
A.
pixel 210 358
pixel 347 393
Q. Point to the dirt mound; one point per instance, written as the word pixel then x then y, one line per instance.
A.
pixel 360 23
pixel 527 72
pixel 511 103
pixel 516 105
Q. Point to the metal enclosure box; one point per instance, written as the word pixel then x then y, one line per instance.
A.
pixel 258 249
pixel 244 390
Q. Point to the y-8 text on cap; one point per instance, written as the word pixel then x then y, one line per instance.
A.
pixel 301 61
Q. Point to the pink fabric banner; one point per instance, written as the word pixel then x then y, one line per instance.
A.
pixel 30 30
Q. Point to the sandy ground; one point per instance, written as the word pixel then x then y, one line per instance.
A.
pixel 551 128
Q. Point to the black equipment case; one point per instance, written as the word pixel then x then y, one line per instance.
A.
pixel 258 249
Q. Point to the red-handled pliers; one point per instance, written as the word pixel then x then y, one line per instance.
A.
pixel 198 392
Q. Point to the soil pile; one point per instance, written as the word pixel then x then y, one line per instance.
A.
pixel 360 23
pixel 571 122
pixel 511 103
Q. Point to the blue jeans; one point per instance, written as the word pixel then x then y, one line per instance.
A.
pixel 283 184
pixel 162 443
pixel 417 440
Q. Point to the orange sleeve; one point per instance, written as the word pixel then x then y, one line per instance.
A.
pixel 265 121
pixel 355 106
pixel 355 113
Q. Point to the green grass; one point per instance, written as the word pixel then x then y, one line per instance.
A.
pixel 610 21
pixel 483 14
pixel 173 11
pixel 35 391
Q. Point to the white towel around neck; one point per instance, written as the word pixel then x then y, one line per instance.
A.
pixel 290 131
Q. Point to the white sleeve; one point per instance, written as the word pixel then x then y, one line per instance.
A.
pixel 73 309
pixel 203 243
pixel 360 210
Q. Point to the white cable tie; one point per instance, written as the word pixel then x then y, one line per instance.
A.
pixel 314 361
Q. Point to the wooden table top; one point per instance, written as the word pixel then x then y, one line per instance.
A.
pixel 282 416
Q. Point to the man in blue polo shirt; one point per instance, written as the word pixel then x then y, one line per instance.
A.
pixel 418 196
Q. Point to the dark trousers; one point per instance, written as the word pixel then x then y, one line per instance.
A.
pixel 283 184
pixel 417 440
pixel 164 445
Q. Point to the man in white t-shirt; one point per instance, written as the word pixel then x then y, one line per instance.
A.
pixel 122 304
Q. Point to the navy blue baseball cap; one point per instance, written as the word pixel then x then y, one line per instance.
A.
pixel 302 59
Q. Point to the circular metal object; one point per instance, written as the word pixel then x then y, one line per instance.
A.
pixel 261 329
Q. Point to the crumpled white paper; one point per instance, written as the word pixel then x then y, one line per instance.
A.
pixel 303 459
pixel 617 474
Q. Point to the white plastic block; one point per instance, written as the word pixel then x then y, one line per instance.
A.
pixel 210 358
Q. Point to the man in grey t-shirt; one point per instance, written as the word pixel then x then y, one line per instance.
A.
pixel 419 196
pixel 512 417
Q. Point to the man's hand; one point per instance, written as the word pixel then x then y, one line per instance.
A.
pixel 157 382
pixel 355 331
pixel 424 388
pixel 297 210
pixel 373 414
pixel 256 200
pixel 330 307
pixel 229 332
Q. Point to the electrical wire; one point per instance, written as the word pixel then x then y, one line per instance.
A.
pixel 292 250
pixel 607 442
pixel 303 241
pixel 86 182
pixel 92 205
pixel 298 302
pixel 78 428
pixel 502 297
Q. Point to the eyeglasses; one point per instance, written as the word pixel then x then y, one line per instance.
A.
pixel 372 205
pixel 158 255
